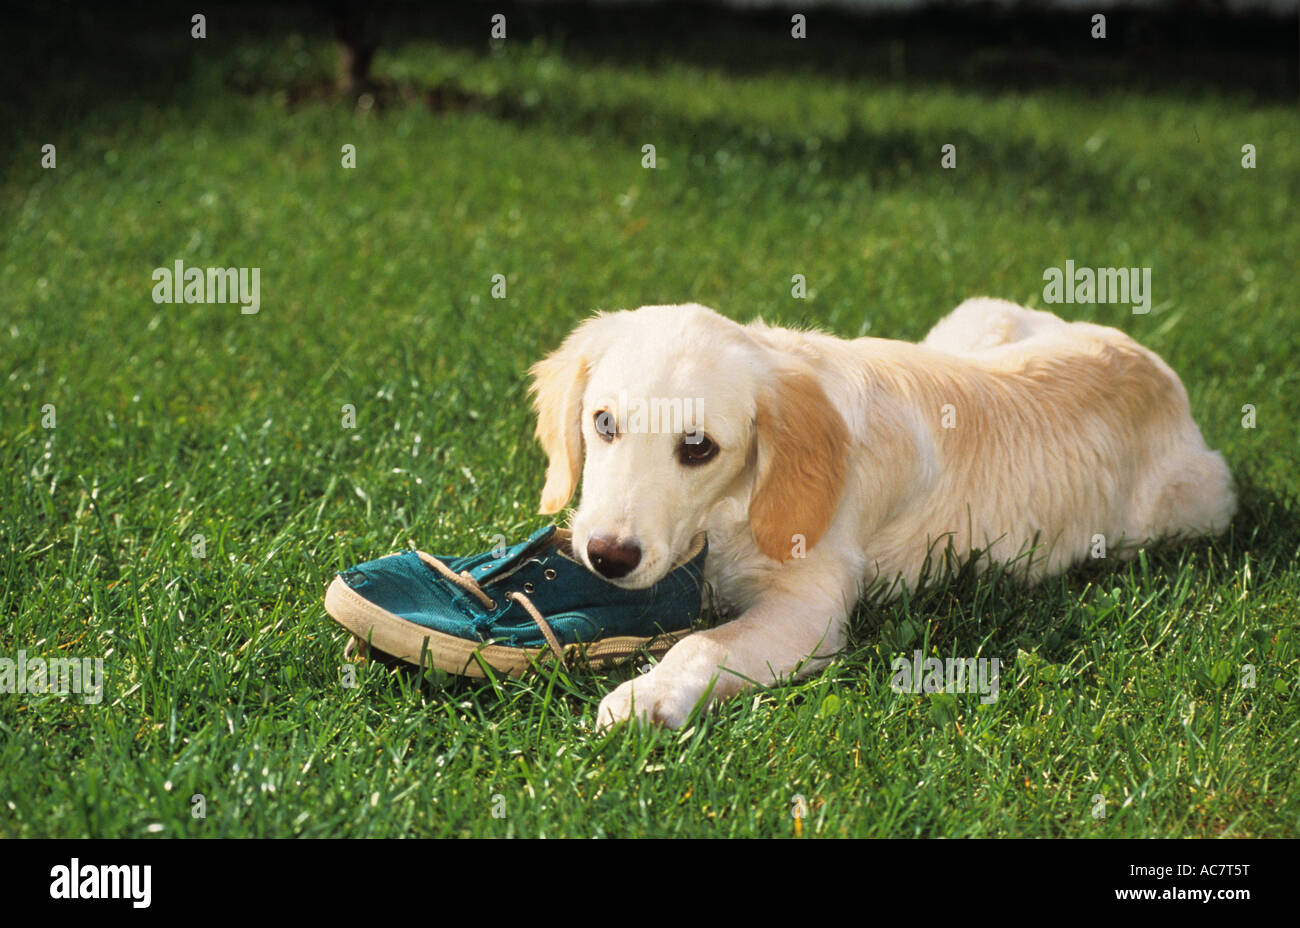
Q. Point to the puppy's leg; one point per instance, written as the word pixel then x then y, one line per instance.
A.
pixel 788 633
pixel 1192 496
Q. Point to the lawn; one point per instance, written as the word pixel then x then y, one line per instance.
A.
pixel 184 430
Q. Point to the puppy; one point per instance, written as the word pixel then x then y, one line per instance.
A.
pixel 821 468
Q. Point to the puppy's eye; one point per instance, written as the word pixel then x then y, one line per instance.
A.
pixel 696 448
pixel 606 424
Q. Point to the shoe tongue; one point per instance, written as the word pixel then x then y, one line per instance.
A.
pixel 530 545
pixel 492 566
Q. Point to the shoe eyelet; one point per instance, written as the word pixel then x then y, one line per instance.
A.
pixel 492 605
pixel 528 587
pixel 550 573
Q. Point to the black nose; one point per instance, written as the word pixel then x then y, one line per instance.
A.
pixel 612 558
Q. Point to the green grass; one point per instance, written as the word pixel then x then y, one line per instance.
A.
pixel 224 676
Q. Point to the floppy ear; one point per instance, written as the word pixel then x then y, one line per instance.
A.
pixel 559 380
pixel 801 465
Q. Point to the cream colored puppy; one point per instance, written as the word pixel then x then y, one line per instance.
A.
pixel 821 467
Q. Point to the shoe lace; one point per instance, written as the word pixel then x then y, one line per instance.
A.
pixel 467 583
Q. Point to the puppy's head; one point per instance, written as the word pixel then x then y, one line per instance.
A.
pixel 668 411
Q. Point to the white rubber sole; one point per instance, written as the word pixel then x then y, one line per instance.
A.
pixel 409 642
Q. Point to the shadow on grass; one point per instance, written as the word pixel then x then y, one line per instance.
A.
pixel 1184 48
pixel 884 157
pixel 80 58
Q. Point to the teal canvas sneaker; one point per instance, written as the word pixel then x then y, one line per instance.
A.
pixel 507 609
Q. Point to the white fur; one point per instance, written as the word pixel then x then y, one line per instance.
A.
pixel 1059 432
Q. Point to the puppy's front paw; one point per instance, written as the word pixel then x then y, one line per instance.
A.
pixel 649 700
